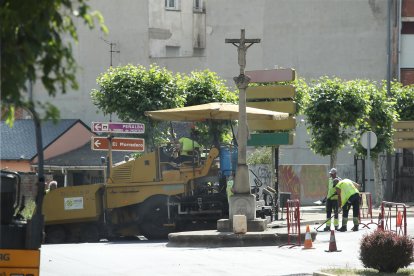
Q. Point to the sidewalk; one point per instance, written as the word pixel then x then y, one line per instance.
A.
pixel 276 233
pixel 315 215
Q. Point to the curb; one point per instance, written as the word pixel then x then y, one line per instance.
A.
pixel 320 273
pixel 214 239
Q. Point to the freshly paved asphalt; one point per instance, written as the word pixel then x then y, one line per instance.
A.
pixel 160 258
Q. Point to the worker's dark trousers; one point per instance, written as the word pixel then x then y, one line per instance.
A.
pixel 354 202
pixel 332 204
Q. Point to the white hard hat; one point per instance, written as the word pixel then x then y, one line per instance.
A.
pixel 332 171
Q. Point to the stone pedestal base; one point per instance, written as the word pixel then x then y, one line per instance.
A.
pixel 242 204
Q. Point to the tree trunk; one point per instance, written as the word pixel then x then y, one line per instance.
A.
pixel 379 194
pixel 332 162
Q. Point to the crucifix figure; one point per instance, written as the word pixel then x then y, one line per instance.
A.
pixel 242 45
pixel 242 202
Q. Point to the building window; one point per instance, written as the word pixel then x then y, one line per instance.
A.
pixel 172 5
pixel 198 5
pixel 407 76
pixel 198 52
pixel 172 51
pixel 407 28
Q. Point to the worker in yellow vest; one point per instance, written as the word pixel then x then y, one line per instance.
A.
pixel 188 149
pixel 348 192
pixel 331 202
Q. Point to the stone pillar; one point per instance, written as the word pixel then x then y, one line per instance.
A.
pixel 242 202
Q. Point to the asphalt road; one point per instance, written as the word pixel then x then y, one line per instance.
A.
pixel 138 257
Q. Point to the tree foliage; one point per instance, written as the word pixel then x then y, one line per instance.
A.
pixel 301 94
pixel 261 155
pixel 378 118
pixel 404 100
pixel 203 87
pixel 206 87
pixel 333 109
pixel 33 48
pixel 129 91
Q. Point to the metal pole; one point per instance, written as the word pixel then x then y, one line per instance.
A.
pixel 389 165
pixel 35 225
pixel 369 159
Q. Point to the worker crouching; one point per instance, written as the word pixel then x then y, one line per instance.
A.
pixel 348 192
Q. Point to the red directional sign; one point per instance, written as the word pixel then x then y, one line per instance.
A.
pixel 118 144
pixel 118 127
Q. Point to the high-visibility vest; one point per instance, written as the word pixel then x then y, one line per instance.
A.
pixel 187 146
pixel 331 190
pixel 347 190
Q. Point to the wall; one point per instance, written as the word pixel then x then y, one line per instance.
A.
pixel 299 152
pixel 264 175
pixel 308 183
pixel 17 166
pixel 318 37
pixel 127 21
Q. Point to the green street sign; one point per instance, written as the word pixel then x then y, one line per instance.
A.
pixel 270 139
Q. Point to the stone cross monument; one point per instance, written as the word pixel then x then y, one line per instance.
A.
pixel 243 202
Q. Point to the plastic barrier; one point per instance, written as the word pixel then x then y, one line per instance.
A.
pixel 293 222
pixel 393 218
pixel 365 209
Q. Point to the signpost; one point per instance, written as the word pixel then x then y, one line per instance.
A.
pixel 136 128
pixel 369 141
pixel 118 144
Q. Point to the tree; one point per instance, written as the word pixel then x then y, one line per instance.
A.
pixel 301 94
pixel 128 91
pixel 32 48
pixel 379 118
pixel 332 110
pixel 404 98
pixel 206 87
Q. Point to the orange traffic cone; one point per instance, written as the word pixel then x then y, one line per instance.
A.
pixel 332 243
pixel 308 239
pixel 399 218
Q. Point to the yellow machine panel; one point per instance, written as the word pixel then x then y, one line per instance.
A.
pixel 172 175
pixel 119 196
pixel 143 169
pixel 80 203
pixel 19 262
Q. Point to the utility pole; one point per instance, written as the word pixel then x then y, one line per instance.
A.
pixel 242 202
pixel 110 136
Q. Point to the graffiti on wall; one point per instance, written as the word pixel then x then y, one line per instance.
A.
pixel 263 173
pixel 308 183
pixel 289 181
pixel 313 181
